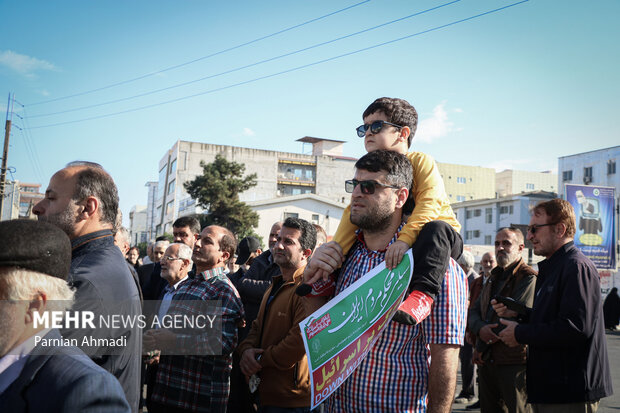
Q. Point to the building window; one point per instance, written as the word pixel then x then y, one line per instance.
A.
pixel 567 176
pixel 476 234
pixel 169 207
pixel 315 219
pixel 468 214
pixel 171 187
pixel 529 187
pixel 468 235
pixel 173 167
pixel 488 212
pixel 611 167
pixel 161 185
pixel 460 198
pixel 291 215
pixel 477 212
pixel 506 209
pixel 461 180
pixel 487 240
pixel 587 174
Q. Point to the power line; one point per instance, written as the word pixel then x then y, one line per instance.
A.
pixel 30 146
pixel 288 70
pixel 248 65
pixel 203 57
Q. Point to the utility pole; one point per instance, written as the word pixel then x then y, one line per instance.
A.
pixel 5 154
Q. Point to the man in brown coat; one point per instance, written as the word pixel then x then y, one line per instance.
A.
pixel 502 368
pixel 274 350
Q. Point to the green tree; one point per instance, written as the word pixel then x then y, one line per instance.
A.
pixel 217 191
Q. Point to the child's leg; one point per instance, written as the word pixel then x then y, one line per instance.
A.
pixel 436 243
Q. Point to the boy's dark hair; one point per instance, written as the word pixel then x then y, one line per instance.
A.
pixel 398 111
pixel 189 221
pixel 307 239
pixel 397 166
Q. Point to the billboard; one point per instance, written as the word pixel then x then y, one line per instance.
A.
pixel 595 234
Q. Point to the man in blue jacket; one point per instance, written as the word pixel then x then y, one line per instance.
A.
pixel 82 200
pixel 567 365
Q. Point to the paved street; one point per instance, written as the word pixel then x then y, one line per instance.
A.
pixel 609 404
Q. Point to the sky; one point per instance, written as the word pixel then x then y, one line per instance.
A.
pixel 500 84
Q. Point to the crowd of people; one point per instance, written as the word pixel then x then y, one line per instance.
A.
pixel 537 338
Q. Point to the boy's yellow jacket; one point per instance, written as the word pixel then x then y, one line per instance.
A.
pixel 431 204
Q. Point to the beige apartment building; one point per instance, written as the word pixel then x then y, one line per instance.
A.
pixel 279 174
pixel 465 183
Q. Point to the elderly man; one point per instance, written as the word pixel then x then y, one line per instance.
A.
pixel 399 372
pixel 82 200
pixel 175 265
pixel 185 230
pixel 37 375
pixel 567 365
pixel 501 373
pixel 121 240
pixel 199 381
pixel 149 274
pixel 274 346
pixel 467 261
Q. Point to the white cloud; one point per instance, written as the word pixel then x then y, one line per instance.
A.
pixel 22 64
pixel 435 127
pixel 248 132
pixel 538 165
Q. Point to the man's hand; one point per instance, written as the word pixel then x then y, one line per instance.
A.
pixel 394 254
pixel 507 335
pixel 248 363
pixel 148 342
pixel 502 310
pixel 476 358
pixel 325 260
pixel 487 335
pixel 160 339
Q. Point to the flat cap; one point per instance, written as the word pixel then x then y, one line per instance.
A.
pixel 36 246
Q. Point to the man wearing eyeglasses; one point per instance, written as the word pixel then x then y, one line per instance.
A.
pixel 395 376
pixel 501 372
pixel 567 366
pixel 175 265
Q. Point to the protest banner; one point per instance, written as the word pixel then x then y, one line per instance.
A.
pixel 339 335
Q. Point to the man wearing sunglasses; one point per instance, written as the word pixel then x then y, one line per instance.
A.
pixel 431 229
pixel 567 365
pixel 395 376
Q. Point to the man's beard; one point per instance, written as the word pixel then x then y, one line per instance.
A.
pixel 505 259
pixel 376 218
pixel 64 220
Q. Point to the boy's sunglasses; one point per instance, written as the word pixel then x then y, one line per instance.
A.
pixel 374 127
pixel 367 187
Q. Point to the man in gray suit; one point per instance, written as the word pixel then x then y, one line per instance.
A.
pixel 38 370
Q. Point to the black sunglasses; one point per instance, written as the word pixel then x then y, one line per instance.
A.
pixel 367 187
pixel 374 127
pixel 533 228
